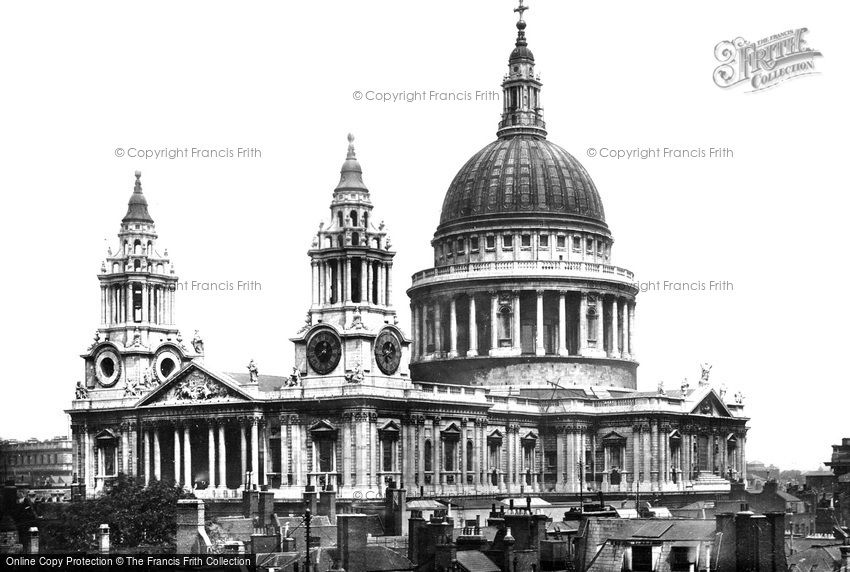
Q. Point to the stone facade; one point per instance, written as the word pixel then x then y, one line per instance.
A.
pixel 519 373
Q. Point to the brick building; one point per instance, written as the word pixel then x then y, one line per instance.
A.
pixel 41 467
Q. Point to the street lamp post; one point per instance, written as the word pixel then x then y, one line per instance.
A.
pixel 581 485
pixel 307 518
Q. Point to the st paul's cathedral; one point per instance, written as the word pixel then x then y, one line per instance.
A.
pixel 519 373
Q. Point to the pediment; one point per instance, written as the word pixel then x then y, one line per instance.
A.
pixel 106 435
pixel 613 437
pixel 712 406
pixel 496 435
pixel 194 385
pixel 390 428
pixel 323 429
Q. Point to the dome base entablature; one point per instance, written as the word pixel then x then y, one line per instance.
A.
pixel 528 370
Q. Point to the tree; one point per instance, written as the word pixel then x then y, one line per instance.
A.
pixel 137 515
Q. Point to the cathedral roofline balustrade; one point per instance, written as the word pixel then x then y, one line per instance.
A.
pixel 524 269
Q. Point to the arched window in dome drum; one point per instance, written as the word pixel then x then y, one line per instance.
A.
pixel 339 218
pixel 505 329
pixel 366 220
pixel 137 247
pixel 355 239
pixel 353 216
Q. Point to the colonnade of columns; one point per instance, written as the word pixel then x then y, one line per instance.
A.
pixel 584 323
pixel 117 303
pixel 334 281
pixel 572 468
pixel 442 455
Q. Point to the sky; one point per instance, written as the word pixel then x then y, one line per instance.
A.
pixel 87 85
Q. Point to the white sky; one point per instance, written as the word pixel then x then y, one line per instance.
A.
pixel 80 79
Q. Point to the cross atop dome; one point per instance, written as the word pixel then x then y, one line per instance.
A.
pixel 521 10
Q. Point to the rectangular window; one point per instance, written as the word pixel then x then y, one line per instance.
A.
pixel 599 247
pixel 450 448
pixel 526 241
pixel 325 451
pixel 490 242
pixel 562 241
pixel 615 459
pixel 507 241
pixel 590 246
pixel 447 248
pixel 461 244
pixel 473 244
pixel 544 241
pixel 576 244
pixel 387 454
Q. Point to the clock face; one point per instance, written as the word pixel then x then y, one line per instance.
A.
pixel 323 352
pixel 387 352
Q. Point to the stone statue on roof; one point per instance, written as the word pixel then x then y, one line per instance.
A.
pixel 685 385
pixel 706 372
pixel 253 372
pixel 80 391
pixel 198 343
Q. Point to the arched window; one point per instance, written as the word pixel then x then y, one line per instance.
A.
pixel 428 453
pixel 137 264
pixel 353 218
pixel 150 248
pixel 470 455
pixel 505 326
pixel 366 220
pixel 355 239
pixel 339 219
pixel 137 247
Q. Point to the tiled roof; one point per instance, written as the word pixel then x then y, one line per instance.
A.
pixel 475 561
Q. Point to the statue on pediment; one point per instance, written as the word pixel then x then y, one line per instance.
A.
pixel 356 375
pixel 80 391
pixel 705 368
pixel 294 378
pixel 253 372
pixel 132 388
pixel 198 343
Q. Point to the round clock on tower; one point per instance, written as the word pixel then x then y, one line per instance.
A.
pixel 351 330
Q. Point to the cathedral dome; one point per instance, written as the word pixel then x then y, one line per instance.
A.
pixel 522 175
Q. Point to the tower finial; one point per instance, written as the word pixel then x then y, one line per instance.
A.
pixel 138 186
pixel 351 154
pixel 521 11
